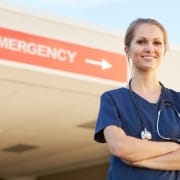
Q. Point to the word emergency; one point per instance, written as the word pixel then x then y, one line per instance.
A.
pixel 40 50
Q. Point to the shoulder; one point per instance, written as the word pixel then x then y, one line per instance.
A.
pixel 116 97
pixel 173 93
pixel 174 96
pixel 115 92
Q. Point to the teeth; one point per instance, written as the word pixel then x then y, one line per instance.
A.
pixel 148 57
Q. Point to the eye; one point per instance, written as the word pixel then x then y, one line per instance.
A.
pixel 140 41
pixel 157 42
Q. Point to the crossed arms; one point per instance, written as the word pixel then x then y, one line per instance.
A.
pixel 142 153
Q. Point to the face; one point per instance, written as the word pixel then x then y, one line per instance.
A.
pixel 147 47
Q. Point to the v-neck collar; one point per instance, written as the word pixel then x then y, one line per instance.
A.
pixel 142 101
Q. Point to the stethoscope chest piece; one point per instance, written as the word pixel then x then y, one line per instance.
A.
pixel 146 134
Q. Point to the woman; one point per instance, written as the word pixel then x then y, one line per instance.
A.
pixel 140 123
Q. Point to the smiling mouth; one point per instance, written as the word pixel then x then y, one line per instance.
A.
pixel 149 57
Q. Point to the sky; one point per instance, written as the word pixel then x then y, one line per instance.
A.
pixel 110 14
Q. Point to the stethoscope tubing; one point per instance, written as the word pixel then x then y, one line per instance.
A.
pixel 166 102
pixel 145 134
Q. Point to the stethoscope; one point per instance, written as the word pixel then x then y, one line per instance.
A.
pixel 145 133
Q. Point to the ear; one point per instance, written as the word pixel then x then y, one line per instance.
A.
pixel 127 51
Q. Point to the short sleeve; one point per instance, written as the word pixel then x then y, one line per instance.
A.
pixel 108 115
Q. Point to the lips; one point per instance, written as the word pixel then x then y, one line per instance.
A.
pixel 149 57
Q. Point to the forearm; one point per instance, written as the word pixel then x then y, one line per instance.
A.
pixel 143 149
pixel 170 161
pixel 134 149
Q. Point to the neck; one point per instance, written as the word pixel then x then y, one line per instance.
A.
pixel 145 81
pixel 149 89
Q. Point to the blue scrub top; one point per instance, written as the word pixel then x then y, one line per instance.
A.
pixel 117 108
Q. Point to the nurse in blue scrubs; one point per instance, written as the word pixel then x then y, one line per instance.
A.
pixel 141 122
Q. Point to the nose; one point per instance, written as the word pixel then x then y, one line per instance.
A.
pixel 149 47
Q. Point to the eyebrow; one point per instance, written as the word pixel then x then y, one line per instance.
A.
pixel 142 37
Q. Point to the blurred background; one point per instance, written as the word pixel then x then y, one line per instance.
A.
pixel 56 58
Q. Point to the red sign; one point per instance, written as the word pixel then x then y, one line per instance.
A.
pixel 64 56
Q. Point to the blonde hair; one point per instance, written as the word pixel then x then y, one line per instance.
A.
pixel 134 24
